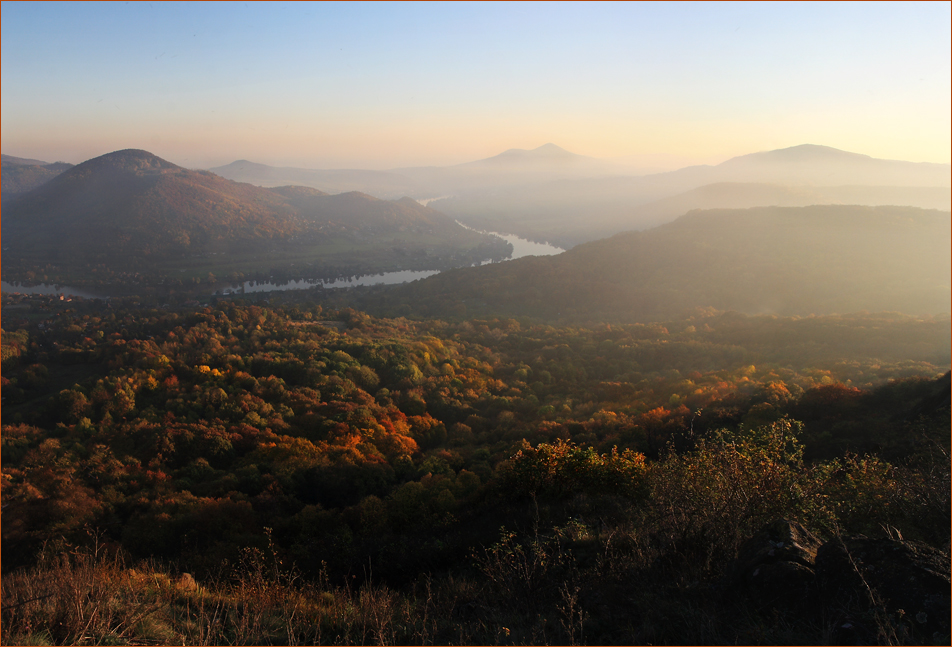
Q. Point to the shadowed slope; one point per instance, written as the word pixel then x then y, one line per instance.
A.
pixel 764 260
pixel 132 202
pixel 133 210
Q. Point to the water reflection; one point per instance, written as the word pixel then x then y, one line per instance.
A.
pixel 387 278
pixel 520 248
pixel 48 290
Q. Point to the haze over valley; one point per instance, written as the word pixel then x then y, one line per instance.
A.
pixel 451 323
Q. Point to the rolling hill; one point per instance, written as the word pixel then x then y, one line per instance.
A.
pixel 380 184
pixel 551 194
pixel 782 260
pixel 575 210
pixel 24 161
pixel 20 175
pixel 132 203
pixel 133 210
pixel 511 168
pixel 743 195
pixel 809 164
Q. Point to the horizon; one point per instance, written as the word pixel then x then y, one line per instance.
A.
pixel 363 86
pixel 509 150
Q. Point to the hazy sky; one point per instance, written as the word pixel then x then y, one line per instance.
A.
pixel 387 85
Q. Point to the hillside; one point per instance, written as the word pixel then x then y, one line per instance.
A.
pixel 25 161
pixel 361 212
pixel 788 261
pixel 131 203
pixel 825 166
pixel 572 210
pixel 743 195
pixel 547 157
pixel 380 184
pixel 554 195
pixel 20 175
pixel 215 475
pixel 515 167
pixel 131 210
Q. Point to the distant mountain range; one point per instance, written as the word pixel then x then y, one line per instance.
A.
pixel 574 210
pixel 546 159
pixel 514 166
pixel 813 165
pixel 787 261
pixel 382 184
pixel 547 154
pixel 550 194
pixel 737 195
pixel 133 209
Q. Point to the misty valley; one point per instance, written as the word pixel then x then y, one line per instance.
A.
pixel 520 247
pixel 701 406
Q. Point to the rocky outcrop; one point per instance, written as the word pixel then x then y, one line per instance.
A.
pixel 908 581
pixel 864 590
pixel 777 564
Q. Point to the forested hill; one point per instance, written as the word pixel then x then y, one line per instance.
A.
pixel 20 175
pixel 132 210
pixel 789 261
pixel 133 203
pixel 358 210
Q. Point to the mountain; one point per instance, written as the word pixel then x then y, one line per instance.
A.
pixel 132 203
pixel 362 212
pixel 380 184
pixel 545 156
pixel 132 209
pixel 739 195
pixel 511 168
pixel 551 194
pixel 574 210
pixel 788 261
pixel 21 160
pixel 813 165
pixel 20 175
pixel 514 166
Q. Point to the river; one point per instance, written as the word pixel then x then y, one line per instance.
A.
pixel 520 248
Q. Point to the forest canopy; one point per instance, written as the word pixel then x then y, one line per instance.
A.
pixel 331 438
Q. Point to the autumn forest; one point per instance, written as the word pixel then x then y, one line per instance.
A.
pixel 324 475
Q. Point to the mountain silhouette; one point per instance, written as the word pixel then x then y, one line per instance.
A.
pixel 133 207
pixel 380 184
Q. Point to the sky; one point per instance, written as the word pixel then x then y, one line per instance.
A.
pixel 389 85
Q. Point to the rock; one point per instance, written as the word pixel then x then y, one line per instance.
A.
pixel 776 565
pixel 186 582
pixel 907 581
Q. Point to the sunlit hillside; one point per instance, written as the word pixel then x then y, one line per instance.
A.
pixel 787 261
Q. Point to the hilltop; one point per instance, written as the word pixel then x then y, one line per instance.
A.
pixel 134 204
pixel 810 164
pixel 133 211
pixel 547 155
